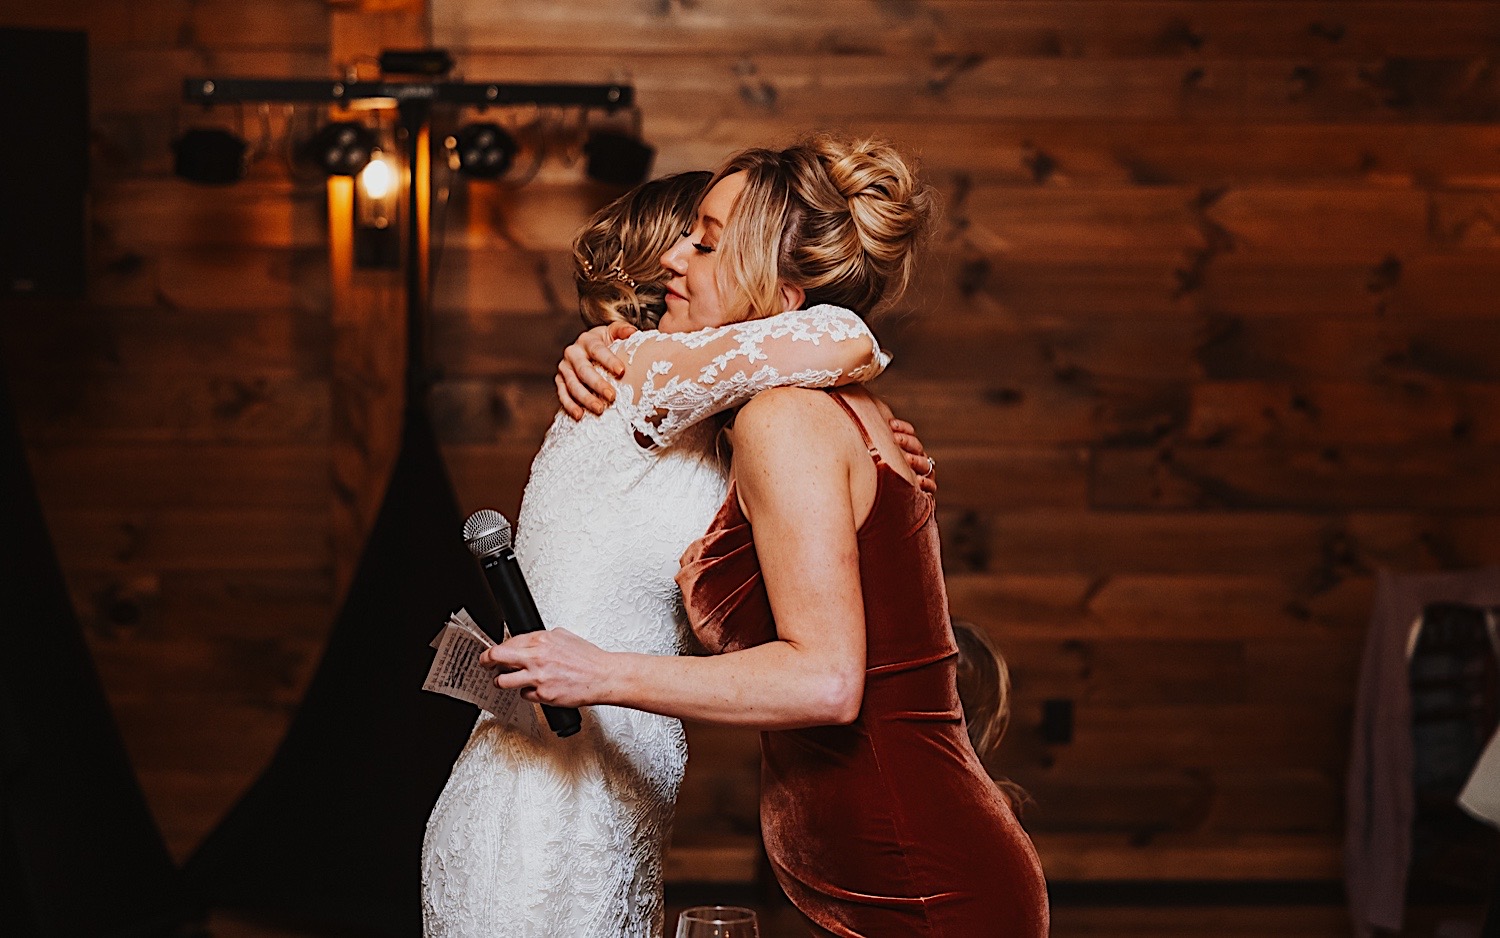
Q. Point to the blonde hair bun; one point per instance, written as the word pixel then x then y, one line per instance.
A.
pixel 889 205
pixel 841 219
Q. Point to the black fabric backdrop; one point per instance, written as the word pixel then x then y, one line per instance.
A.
pixel 331 833
pixel 80 854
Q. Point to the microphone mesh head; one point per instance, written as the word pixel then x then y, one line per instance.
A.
pixel 486 532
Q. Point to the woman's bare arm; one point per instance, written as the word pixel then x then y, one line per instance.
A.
pixel 803 514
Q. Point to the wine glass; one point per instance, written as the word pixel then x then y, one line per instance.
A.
pixel 717 921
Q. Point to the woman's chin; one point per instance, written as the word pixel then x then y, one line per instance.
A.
pixel 674 319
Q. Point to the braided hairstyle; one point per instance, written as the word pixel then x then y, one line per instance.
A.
pixel 842 219
pixel 617 256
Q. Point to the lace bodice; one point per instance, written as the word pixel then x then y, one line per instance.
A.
pixel 539 837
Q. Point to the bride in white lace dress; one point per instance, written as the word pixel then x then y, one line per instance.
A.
pixel 540 837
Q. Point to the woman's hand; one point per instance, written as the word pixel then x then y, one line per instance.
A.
pixel 916 455
pixel 581 385
pixel 553 667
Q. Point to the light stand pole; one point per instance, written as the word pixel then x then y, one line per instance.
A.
pixel 416 122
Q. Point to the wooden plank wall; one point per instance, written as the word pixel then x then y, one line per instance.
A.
pixel 1207 336
pixel 179 418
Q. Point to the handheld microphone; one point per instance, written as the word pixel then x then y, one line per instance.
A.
pixel 487 535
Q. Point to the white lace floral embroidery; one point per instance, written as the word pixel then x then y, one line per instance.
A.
pixel 718 369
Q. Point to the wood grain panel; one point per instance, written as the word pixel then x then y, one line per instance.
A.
pixel 962 279
pixel 1364 225
pixel 1410 285
pixel 182 475
pixel 1214 151
pixel 500 280
pixel 221 279
pixel 283 605
pixel 1435 88
pixel 516 412
pixel 1207 336
pixel 133 79
pixel 720 796
pixel 1332 348
pixel 1315 673
pixel 543 216
pixel 489 476
pixel 1146 671
pixel 275 24
pixel 1066 606
pixel 1039 540
pixel 1466 221
pixel 248 672
pixel 163 342
pixel 526 346
pixel 1149 804
pixel 959 277
pixel 1279 858
pixel 143 213
pixel 1451 541
pixel 809 90
pixel 133 407
pixel 1143 802
pixel 1080 225
pixel 1109 350
pixel 1009 477
pixel 1311 669
pixel 1434 412
pixel 1227 921
pixel 957 412
pixel 184 733
pixel 174 539
pixel 1309 479
pixel 1167 29
pixel 1304 545
pixel 178 419
pixel 1205 736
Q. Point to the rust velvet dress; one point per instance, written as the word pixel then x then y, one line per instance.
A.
pixel 888 826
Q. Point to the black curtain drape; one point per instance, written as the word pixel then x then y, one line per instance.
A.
pixel 80 854
pixel 331 833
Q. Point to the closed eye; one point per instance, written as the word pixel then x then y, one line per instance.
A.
pixel 702 248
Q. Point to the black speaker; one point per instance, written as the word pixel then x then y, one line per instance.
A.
pixel 44 162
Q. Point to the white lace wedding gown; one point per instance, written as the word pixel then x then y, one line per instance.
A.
pixel 540 837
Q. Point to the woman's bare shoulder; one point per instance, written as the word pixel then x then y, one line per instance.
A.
pixel 784 418
pixel 783 410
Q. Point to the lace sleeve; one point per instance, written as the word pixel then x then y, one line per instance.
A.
pixel 675 379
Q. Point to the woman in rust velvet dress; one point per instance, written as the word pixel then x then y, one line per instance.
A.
pixel 828 613
pixel 888 825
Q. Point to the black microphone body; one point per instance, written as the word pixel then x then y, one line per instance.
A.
pixel 503 573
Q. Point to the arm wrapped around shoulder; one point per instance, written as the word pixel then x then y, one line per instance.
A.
pixel 681 378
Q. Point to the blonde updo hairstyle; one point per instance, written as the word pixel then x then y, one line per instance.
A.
pixel 617 256
pixel 841 219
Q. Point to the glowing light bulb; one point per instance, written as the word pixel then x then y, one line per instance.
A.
pixel 378 177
